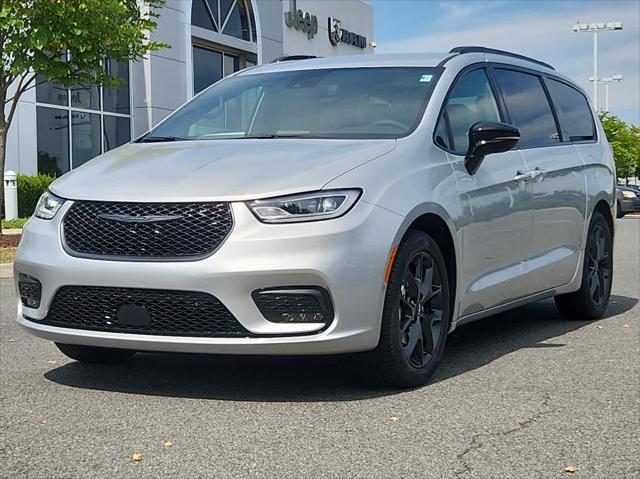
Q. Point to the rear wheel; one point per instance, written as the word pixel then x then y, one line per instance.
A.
pixel 619 212
pixel 92 354
pixel 592 299
pixel 416 315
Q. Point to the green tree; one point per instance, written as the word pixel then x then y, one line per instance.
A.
pixel 625 142
pixel 67 41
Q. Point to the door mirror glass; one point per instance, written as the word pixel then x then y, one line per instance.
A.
pixel 486 138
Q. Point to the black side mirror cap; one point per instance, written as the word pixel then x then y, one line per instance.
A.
pixel 487 138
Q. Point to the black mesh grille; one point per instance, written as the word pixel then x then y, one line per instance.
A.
pixel 302 303
pixel 297 304
pixel 173 313
pixel 173 230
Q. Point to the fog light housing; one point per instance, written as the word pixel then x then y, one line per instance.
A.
pixel 300 304
pixel 30 290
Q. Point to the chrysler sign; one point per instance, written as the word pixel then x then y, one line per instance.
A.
pixel 338 35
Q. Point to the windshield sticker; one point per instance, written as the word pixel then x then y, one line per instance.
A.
pixel 426 78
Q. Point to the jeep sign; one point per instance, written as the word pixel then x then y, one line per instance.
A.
pixel 300 20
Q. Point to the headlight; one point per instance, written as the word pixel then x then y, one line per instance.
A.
pixel 48 206
pixel 320 205
pixel 628 194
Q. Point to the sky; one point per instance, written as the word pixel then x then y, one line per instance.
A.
pixel 541 29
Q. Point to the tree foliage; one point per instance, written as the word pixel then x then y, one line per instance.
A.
pixel 67 41
pixel 625 142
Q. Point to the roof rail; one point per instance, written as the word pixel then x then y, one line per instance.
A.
pixel 473 49
pixel 288 58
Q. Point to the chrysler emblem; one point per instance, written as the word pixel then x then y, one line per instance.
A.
pixel 138 219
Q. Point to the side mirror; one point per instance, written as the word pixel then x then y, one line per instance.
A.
pixel 487 138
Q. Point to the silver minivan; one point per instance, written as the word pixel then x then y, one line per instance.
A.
pixel 364 204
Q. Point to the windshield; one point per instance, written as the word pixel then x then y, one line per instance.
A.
pixel 330 103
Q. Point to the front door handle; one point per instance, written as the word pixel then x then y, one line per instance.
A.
pixel 531 175
pixel 523 176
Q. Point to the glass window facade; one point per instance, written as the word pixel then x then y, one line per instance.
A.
pixel 53 140
pixel 77 124
pixel 231 17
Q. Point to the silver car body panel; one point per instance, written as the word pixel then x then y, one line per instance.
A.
pixel 514 243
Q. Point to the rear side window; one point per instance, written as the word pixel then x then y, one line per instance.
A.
pixel 471 100
pixel 573 111
pixel 528 108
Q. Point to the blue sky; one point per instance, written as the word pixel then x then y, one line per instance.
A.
pixel 541 29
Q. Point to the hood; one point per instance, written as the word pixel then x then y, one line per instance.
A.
pixel 216 170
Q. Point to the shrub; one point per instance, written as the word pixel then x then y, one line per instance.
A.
pixel 30 188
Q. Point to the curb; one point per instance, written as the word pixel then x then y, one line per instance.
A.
pixel 6 270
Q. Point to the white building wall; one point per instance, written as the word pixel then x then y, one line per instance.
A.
pixel 355 15
pixel 163 81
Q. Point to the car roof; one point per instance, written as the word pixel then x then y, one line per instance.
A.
pixel 457 58
pixel 352 61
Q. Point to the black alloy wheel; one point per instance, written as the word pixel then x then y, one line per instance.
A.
pixel 420 310
pixel 591 300
pixel 416 315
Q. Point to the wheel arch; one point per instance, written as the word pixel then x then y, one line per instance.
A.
pixel 602 206
pixel 436 222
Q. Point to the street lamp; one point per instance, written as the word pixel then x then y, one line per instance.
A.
pixel 595 28
pixel 606 81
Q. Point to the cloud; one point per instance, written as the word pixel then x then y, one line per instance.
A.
pixel 545 33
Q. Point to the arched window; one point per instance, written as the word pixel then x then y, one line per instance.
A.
pixel 230 17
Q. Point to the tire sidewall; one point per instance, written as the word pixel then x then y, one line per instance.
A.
pixel 597 220
pixel 406 373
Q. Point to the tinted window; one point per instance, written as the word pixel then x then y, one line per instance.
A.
pixel 470 101
pixel 207 68
pixel 50 92
pixel 85 137
pixel 53 141
pixel 573 111
pixel 528 108
pixel 117 131
pixel 117 99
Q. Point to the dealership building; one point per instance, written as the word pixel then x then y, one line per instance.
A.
pixel 57 129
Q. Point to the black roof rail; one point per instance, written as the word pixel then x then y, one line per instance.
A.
pixel 289 58
pixel 473 49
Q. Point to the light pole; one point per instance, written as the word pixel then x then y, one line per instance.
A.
pixel 606 81
pixel 595 28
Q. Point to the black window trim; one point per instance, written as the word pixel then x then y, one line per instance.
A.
pixel 488 67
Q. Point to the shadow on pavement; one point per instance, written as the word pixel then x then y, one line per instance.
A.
pixel 317 379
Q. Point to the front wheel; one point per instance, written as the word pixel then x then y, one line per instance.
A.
pixel 592 299
pixel 619 212
pixel 92 354
pixel 416 315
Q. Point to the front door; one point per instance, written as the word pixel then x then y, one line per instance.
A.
pixel 496 217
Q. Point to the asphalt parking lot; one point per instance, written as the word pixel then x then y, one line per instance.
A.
pixel 521 394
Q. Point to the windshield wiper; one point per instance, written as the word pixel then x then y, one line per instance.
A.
pixel 159 139
pixel 276 135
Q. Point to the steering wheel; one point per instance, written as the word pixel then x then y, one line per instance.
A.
pixel 392 123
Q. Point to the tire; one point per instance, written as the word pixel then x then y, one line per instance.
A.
pixel 591 300
pixel 91 354
pixel 619 212
pixel 407 359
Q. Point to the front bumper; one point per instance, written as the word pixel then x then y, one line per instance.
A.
pixel 346 256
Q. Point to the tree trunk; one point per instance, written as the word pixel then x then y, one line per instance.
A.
pixel 4 127
pixel 3 148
